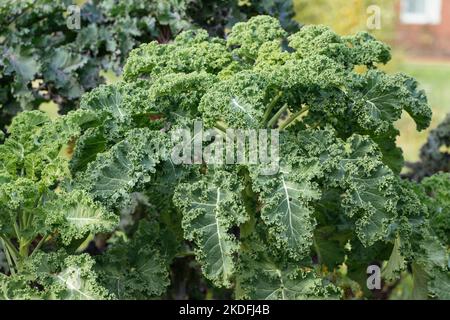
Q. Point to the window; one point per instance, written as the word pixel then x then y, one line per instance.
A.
pixel 415 7
pixel 421 11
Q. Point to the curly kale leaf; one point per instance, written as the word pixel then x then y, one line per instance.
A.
pixel 54 276
pixel 380 99
pixel 421 237
pixel 360 49
pixel 437 189
pixel 286 208
pixel 191 51
pixel 370 195
pixel 247 37
pixel 135 268
pixel 263 276
pixel 239 100
pixel 129 164
pixel 269 281
pixel 211 207
pixel 37 203
pixel 76 215
pixel 355 169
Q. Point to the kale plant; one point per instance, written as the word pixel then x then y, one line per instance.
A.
pixel 335 206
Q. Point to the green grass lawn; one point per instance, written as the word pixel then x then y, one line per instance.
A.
pixel 434 77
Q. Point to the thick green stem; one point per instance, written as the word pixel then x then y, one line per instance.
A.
pixel 11 265
pixel 293 117
pixel 28 219
pixel 221 126
pixel 270 107
pixel 22 220
pixel 23 248
pixel 317 249
pixel 16 230
pixel 10 248
pixel 277 116
pixel 39 245
pixel 250 202
pixel 185 254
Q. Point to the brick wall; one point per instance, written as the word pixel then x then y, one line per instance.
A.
pixel 426 40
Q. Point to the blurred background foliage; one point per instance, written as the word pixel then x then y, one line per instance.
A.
pixel 347 16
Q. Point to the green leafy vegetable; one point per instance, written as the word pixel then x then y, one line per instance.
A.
pixel 331 206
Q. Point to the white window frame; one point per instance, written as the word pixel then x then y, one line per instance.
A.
pixel 432 14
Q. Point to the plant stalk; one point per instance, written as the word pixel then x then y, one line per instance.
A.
pixel 9 247
pixel 221 127
pixel 270 107
pixel 293 117
pixel 39 245
pixel 277 116
pixel 8 258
